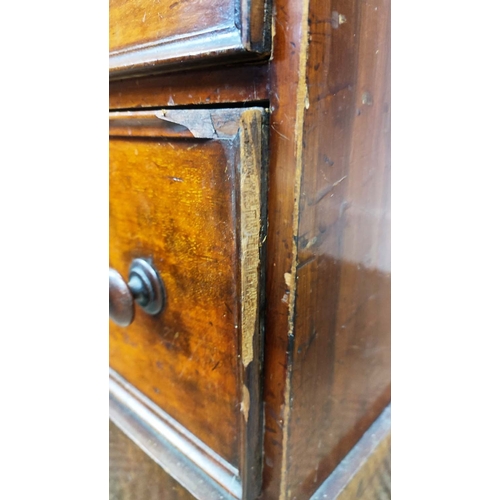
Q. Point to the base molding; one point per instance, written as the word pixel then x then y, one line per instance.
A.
pixel 364 474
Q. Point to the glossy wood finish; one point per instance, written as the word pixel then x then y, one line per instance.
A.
pixel 163 194
pixel 287 81
pixel 133 475
pixel 341 365
pixel 341 353
pixel 221 85
pixel 328 289
pixel 145 36
pixel 182 194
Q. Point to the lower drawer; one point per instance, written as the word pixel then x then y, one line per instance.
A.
pixel 186 194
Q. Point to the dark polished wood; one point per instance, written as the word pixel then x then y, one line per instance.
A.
pixel 327 355
pixel 185 193
pixel 146 37
pixel 210 86
pixel 341 351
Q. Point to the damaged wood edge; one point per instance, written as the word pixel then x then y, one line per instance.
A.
pixel 252 212
pixel 291 277
pixel 175 123
pixel 250 222
pixel 255 21
pixel 365 467
pixel 181 454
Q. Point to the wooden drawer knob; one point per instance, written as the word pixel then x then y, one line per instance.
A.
pixel 144 287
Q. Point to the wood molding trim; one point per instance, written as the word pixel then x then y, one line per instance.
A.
pixel 365 472
pixel 246 37
pixel 190 462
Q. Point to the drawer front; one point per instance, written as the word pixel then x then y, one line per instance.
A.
pixel 186 194
pixel 147 36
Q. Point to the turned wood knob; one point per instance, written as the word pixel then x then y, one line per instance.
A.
pixel 144 287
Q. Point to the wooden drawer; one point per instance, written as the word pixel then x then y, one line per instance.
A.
pixel 147 36
pixel 186 192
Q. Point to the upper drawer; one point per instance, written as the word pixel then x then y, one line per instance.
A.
pixel 148 36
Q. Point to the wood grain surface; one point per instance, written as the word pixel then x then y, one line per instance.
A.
pixel 221 85
pixel 163 196
pixel 133 475
pixel 147 37
pixel 327 352
pixel 136 22
pixel 341 374
pixel 183 191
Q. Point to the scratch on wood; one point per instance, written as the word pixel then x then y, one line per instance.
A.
pixel 307 261
pixel 325 191
pixel 279 133
pixel 250 221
